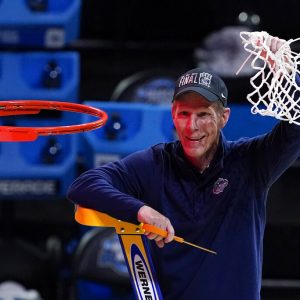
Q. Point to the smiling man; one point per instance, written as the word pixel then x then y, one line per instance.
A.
pixel 212 191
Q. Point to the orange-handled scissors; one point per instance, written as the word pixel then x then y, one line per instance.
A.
pixel 90 217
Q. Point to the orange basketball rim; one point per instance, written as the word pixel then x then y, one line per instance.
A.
pixel 25 107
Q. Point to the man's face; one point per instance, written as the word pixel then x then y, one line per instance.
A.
pixel 198 124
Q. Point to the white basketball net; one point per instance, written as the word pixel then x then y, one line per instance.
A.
pixel 276 92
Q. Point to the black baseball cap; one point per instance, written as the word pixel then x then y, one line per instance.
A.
pixel 206 83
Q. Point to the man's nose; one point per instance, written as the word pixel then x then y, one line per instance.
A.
pixel 193 122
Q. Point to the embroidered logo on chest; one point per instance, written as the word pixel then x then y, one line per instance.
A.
pixel 220 185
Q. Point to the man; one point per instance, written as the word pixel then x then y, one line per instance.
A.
pixel 212 191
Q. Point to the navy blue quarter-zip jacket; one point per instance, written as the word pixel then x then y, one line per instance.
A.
pixel 222 209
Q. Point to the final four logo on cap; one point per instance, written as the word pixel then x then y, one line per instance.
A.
pixel 203 82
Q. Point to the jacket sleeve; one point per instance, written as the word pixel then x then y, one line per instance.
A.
pixel 116 188
pixel 273 153
pixel 297 79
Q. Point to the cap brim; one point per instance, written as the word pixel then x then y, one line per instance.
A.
pixel 201 91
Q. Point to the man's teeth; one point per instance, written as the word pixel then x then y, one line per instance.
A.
pixel 195 139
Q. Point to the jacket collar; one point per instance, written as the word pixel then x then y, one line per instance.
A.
pixel 188 170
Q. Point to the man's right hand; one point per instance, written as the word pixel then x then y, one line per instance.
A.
pixel 148 215
pixel 274 44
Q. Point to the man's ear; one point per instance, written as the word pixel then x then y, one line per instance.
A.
pixel 225 116
pixel 173 109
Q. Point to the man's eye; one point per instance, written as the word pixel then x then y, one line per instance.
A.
pixel 203 114
pixel 183 113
